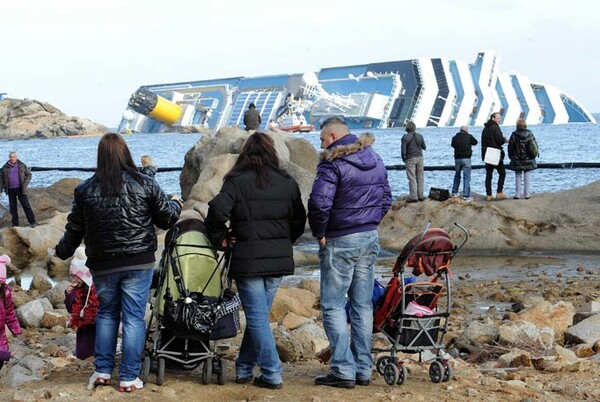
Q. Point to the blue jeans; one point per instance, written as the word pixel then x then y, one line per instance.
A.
pixel 464 166
pixel 258 343
pixel 123 297
pixel 347 267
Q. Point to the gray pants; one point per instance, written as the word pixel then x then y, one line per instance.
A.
pixel 518 178
pixel 416 177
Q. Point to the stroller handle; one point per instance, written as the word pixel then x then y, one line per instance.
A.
pixel 466 232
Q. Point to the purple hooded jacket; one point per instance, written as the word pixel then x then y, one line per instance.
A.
pixel 351 193
pixel 8 318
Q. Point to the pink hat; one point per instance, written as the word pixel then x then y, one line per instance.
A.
pixel 79 270
pixel 4 259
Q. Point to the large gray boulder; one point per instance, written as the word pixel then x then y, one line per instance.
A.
pixel 217 153
pixel 30 314
pixel 587 331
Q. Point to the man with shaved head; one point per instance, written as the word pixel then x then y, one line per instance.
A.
pixel 462 143
pixel 349 197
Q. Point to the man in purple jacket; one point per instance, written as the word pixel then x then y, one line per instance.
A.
pixel 350 196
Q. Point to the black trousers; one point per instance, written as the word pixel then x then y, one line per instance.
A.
pixel 13 194
pixel 489 171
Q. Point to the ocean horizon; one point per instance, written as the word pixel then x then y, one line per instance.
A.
pixel 557 144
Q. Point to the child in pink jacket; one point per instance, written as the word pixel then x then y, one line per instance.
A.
pixel 8 318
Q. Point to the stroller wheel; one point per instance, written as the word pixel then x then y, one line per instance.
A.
pixel 391 374
pixel 447 372
pixel 207 371
pixel 160 375
pixel 403 374
pixel 436 371
pixel 221 368
pixel 146 363
pixel 381 362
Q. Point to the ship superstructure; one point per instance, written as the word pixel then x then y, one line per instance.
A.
pixel 431 92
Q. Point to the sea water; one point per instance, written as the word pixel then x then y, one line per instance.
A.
pixel 557 144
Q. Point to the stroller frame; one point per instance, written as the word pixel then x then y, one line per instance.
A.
pixel 195 349
pixel 416 334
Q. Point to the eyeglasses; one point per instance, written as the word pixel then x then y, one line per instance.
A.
pixel 332 120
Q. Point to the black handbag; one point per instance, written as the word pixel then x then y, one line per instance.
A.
pixel 439 194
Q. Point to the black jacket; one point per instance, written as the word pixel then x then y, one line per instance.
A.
pixel 118 230
pixel 462 143
pixel 264 222
pixel 492 137
pixel 148 170
pixel 252 119
pixel 522 151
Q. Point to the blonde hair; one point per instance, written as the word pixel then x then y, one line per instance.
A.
pixel 521 124
pixel 146 161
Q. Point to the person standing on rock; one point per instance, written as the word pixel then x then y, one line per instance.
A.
pixel 252 118
pixel 114 212
pixel 462 143
pixel 14 179
pixel 492 137
pixel 522 151
pixel 413 146
pixel 263 206
pixel 349 198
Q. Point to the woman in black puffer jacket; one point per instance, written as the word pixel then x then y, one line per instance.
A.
pixel 114 212
pixel 263 205
pixel 522 151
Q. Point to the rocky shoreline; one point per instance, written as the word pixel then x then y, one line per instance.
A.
pixel 33 119
pixel 528 336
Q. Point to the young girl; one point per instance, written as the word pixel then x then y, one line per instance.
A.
pixel 82 302
pixel 8 318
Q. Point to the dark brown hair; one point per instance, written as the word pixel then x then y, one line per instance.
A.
pixel 114 158
pixel 258 154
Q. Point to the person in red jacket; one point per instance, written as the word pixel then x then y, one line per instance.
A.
pixel 8 318
pixel 82 302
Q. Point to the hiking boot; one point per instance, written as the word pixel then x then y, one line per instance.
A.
pixel 244 380
pixel 333 381
pixel 488 198
pixel 130 386
pixel 97 379
pixel 260 382
pixel 363 382
pixel 501 196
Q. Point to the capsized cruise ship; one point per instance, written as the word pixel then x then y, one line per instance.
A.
pixel 431 92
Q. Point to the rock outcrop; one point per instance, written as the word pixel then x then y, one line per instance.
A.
pixel 30 118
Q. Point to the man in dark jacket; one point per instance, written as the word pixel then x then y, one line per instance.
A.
pixel 252 118
pixel 462 143
pixel 14 179
pixel 350 196
pixel 492 137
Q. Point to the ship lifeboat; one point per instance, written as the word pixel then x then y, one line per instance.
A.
pixel 295 125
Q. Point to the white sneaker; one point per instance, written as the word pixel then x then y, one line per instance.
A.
pixel 454 195
pixel 467 199
pixel 98 379
pixel 130 386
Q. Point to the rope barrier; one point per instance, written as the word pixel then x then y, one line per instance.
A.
pixel 563 165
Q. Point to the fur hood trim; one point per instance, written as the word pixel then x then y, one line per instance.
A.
pixel 340 151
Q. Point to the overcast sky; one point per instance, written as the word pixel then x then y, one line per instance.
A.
pixel 86 57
